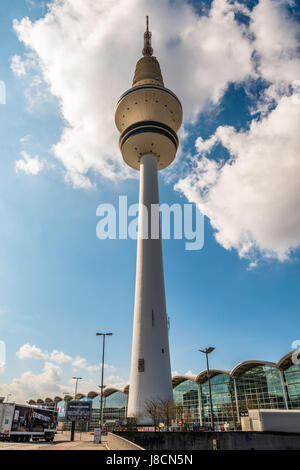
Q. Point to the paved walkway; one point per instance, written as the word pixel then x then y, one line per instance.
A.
pixel 84 441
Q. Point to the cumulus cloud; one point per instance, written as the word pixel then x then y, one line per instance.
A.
pixel 28 351
pixel 49 381
pixel 189 373
pixel 79 362
pixel 31 385
pixel 18 66
pixel 59 356
pixel 87 58
pixel 115 381
pixel 96 368
pixel 252 199
pixel 26 138
pixel 275 41
pixel 29 165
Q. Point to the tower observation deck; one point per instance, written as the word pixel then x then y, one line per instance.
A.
pixel 148 115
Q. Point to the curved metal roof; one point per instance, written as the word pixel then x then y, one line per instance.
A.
pixel 49 400
pixel 67 398
pixel 178 379
pixel 287 360
pixel 92 394
pixel 79 396
pixel 247 365
pixel 203 376
pixel 110 390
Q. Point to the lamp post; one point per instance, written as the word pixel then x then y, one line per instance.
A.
pixel 76 385
pixel 207 351
pixel 75 393
pixel 102 376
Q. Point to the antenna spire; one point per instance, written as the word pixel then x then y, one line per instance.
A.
pixel 147 51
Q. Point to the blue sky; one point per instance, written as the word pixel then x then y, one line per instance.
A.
pixel 59 284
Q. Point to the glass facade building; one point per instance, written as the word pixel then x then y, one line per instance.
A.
pixel 222 391
pixel 249 385
pixel 186 401
pixel 292 380
pixel 260 387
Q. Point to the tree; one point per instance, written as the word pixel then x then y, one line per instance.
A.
pixel 167 411
pixel 153 409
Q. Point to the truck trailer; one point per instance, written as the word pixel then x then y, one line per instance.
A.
pixel 22 422
pixel 272 420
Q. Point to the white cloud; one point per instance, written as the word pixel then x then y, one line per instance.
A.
pixel 25 139
pixel 87 57
pixel 30 3
pixel 18 66
pixel 199 57
pixel 48 383
pixel 189 373
pixel 96 368
pixel 35 88
pixel 276 41
pixel 31 385
pixel 59 356
pixel 28 351
pixel 79 362
pixel 29 165
pixel 115 381
pixel 253 199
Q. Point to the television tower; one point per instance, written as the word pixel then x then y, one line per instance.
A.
pixel 148 115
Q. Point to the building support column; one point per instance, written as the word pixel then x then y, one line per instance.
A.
pixel 284 391
pixel 236 400
pixel 200 405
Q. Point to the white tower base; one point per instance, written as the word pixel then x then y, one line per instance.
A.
pixel 150 378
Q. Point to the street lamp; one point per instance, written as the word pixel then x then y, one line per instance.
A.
pixel 207 351
pixel 76 385
pixel 73 422
pixel 102 376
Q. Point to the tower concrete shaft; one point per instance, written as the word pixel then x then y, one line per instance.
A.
pixel 148 116
pixel 150 378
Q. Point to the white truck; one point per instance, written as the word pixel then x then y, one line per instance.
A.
pixel 21 423
pixel 272 420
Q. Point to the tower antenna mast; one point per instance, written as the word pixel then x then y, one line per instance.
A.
pixel 147 51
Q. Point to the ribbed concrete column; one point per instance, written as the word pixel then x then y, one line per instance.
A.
pixel 150 377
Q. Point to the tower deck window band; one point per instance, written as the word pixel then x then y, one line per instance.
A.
pixel 148 117
pixel 155 130
pixel 152 124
